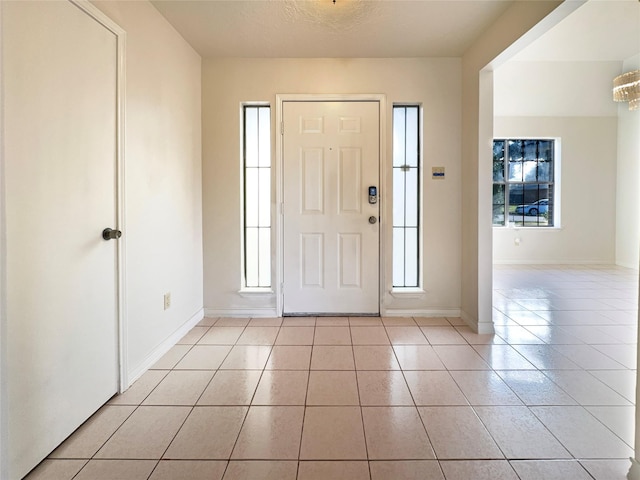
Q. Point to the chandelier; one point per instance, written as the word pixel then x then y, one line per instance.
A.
pixel 626 88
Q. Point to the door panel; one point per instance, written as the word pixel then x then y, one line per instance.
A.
pixel 331 251
pixel 60 150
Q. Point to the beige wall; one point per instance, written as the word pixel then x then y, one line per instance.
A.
pixel 163 189
pixel 435 83
pixel 587 193
pixel 598 133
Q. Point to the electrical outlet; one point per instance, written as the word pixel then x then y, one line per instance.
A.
pixel 167 300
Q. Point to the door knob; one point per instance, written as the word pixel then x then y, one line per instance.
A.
pixel 109 234
pixel 372 219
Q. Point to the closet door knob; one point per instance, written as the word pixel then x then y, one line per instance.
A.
pixel 109 234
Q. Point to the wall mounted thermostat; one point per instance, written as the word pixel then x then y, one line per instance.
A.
pixel 437 173
pixel 373 195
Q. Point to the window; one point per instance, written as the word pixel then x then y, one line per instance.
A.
pixel 257 195
pixel 523 182
pixel 406 196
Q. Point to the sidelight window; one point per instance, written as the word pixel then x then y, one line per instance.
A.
pixel 257 195
pixel 406 196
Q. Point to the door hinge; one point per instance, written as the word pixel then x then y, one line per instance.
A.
pixel 281 128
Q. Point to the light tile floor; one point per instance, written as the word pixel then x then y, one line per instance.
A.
pixel 550 396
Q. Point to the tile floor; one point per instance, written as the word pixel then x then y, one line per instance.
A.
pixel 549 396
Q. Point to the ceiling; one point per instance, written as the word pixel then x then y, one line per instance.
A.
pixel 599 30
pixel 320 28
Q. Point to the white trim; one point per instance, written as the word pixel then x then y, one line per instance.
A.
pixel 279 172
pixel 407 292
pixel 253 292
pixel 633 266
pixel 481 328
pixel 166 345
pixel 556 262
pixel 258 312
pixel 4 435
pixel 121 39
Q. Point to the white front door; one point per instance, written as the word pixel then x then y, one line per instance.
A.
pixel 331 156
pixel 60 80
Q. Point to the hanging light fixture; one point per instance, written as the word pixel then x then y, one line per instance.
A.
pixel 626 88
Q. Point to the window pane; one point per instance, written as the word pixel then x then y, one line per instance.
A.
pixel 264 192
pixel 411 197
pixel 264 137
pixel 398 257
pixel 498 214
pixel 251 137
pixel 412 137
pixel 398 197
pixel 515 171
pixel 251 197
pixel 530 149
pixel 545 150
pixel 515 150
pixel 515 161
pixel 399 136
pixel 411 257
pixel 498 160
pixel 251 256
pixel 516 194
pixel 498 194
pixel 264 257
pixel 529 170
pixel 544 171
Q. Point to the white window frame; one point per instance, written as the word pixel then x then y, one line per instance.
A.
pixel 244 289
pixel 557 184
pixel 418 290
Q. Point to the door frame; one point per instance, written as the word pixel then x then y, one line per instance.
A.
pixel 278 216
pixel 121 40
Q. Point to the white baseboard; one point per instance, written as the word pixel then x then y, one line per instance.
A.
pixel 479 328
pixel 164 347
pixel 559 261
pixel 420 312
pixel 265 312
pixel 627 265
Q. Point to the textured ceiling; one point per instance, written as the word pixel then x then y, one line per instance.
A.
pixel 320 28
